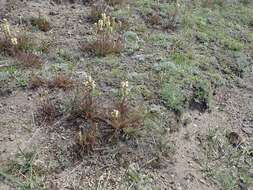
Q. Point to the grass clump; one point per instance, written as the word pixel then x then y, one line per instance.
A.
pixel 11 44
pixel 102 122
pixel 61 81
pixel 225 162
pixel 47 110
pixel 161 14
pixel 23 171
pixel 36 82
pixel 97 9
pixel 29 60
pixel 173 97
pixel 122 117
pixel 107 40
pixel 19 47
pixel 202 95
pixel 115 2
pixel 41 23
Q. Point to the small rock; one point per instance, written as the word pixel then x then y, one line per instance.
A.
pixel 234 138
pixel 12 108
pixel 186 119
pixel 202 181
pixel 140 58
pixel 12 137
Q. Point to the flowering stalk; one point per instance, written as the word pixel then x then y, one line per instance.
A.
pixel 6 29
pixel 90 86
pixel 7 33
pixel 105 32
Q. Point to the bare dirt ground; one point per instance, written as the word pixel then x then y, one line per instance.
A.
pixel 237 117
pixel 178 162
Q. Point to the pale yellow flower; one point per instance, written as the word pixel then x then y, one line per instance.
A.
pixel 100 24
pixel 124 88
pixel 124 84
pixel 103 16
pixel 6 28
pixel 14 41
pixel 115 114
pixel 111 29
pixel 90 83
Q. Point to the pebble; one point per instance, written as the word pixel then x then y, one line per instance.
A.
pixel 12 108
pixel 140 58
pixel 12 137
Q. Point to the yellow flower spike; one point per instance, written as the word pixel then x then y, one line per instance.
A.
pixel 90 83
pixel 6 28
pixel 95 27
pixel 103 16
pixel 120 24
pixel 124 84
pixel 124 88
pixel 14 41
pixel 108 20
pixel 100 24
pixel 111 29
pixel 80 136
pixel 108 23
pixel 115 114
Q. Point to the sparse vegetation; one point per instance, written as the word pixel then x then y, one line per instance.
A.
pixel 19 47
pixel 29 59
pixel 61 81
pixel 115 2
pixel 47 111
pixel 107 39
pixel 41 23
pixel 97 9
pixel 226 162
pixel 164 74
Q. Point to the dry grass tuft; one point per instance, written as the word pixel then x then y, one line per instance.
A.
pixel 154 19
pixel 97 9
pixel 87 138
pixel 104 46
pixel 29 60
pixel 46 111
pixel 41 23
pixel 6 46
pixel 24 44
pixel 116 2
pixel 61 81
pixel 36 82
